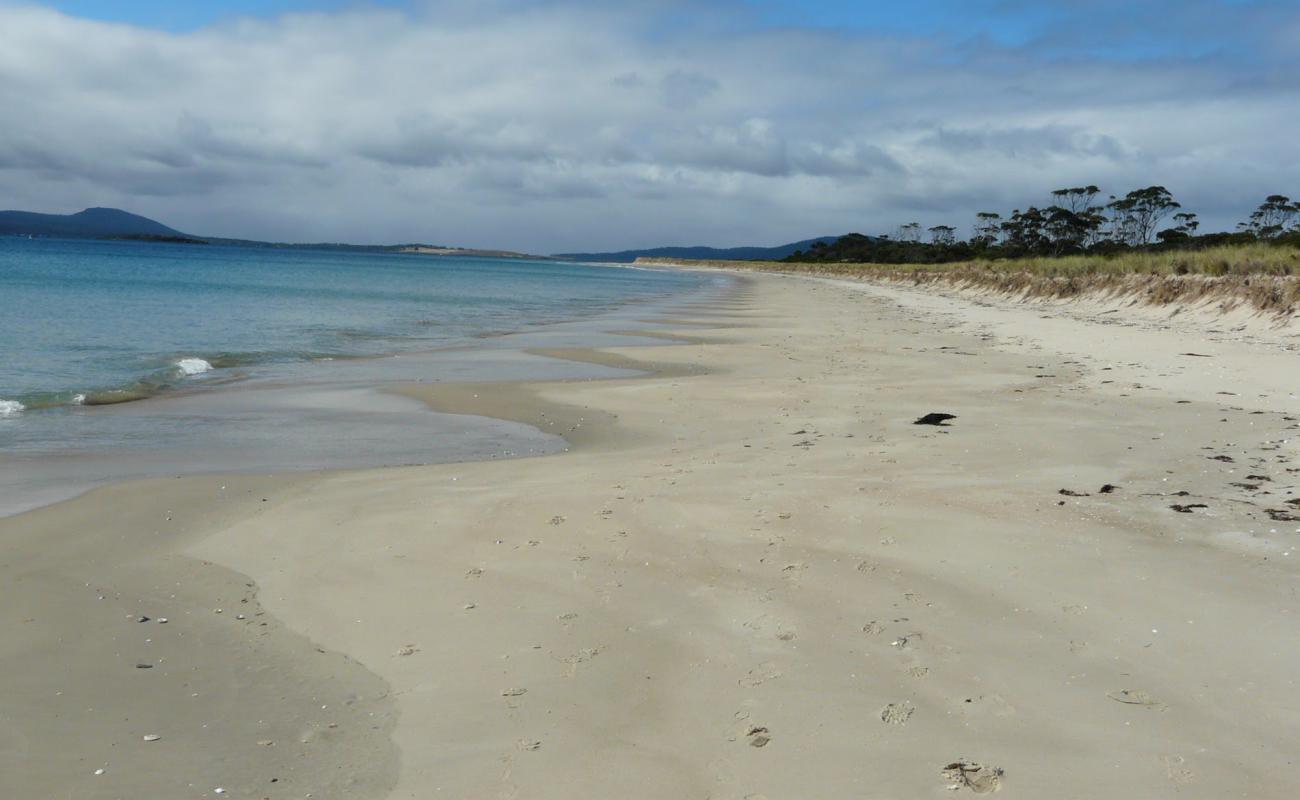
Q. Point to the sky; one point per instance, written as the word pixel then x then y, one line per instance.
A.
pixel 564 125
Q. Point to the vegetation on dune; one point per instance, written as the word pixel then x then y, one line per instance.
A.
pixel 1144 220
pixel 1141 247
pixel 1260 276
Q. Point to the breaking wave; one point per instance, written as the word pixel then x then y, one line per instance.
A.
pixel 193 366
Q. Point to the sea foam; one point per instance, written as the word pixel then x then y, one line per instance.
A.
pixel 9 408
pixel 193 366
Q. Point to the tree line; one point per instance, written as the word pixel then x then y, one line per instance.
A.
pixel 1076 222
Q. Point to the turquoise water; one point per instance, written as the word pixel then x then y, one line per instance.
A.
pixel 88 323
pixel 133 360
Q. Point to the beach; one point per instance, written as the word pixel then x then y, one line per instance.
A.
pixel 750 575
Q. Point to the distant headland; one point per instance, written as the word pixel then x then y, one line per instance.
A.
pixel 116 224
pixel 93 223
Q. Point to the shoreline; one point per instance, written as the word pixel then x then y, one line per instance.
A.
pixel 360 392
pixel 752 575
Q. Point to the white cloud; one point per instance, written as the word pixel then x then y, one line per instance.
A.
pixel 572 125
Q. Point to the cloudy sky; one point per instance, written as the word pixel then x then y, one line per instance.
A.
pixel 555 125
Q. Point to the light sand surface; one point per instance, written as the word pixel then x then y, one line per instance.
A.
pixel 751 577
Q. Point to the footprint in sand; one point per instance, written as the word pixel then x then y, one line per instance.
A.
pixel 758 736
pixel 987 705
pixel 760 675
pixel 972 775
pixel 1176 770
pixel 897 713
pixel 792 572
pixel 873 628
pixel 1135 697
pixel 581 657
pixel 918 672
pixel 917 600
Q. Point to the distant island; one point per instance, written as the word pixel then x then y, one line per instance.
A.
pixel 704 253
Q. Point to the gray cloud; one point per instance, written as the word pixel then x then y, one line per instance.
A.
pixel 573 125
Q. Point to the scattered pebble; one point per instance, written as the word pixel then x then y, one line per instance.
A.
pixel 935 418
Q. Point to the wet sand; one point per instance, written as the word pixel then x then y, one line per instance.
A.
pixel 751 576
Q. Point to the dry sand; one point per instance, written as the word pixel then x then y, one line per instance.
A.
pixel 752 577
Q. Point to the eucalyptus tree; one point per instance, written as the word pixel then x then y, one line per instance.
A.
pixel 911 232
pixel 987 231
pixel 1077 200
pixel 1025 232
pixel 945 235
pixel 1273 217
pixel 1136 215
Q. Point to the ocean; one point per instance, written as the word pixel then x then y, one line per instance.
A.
pixel 186 358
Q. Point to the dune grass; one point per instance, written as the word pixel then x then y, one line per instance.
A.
pixel 1259 276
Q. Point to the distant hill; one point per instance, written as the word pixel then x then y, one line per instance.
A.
pixel 93 223
pixel 113 223
pixel 702 253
